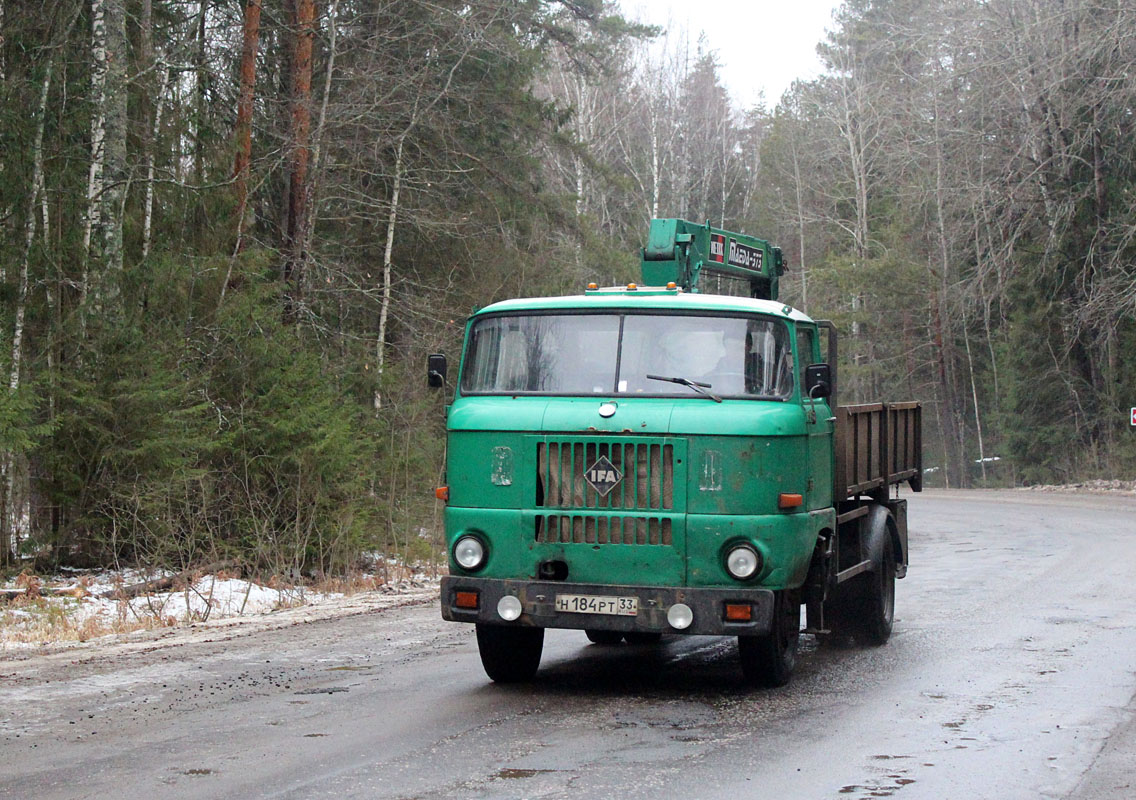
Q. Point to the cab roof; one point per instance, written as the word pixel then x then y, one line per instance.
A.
pixel 647 298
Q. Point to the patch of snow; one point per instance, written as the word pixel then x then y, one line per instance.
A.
pixel 83 613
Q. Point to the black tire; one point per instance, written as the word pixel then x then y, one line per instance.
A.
pixel 603 637
pixel 643 637
pixel 768 661
pixel 876 600
pixel 508 654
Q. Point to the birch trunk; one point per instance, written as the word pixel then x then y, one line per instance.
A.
pixel 98 137
pixel 317 137
pixel 29 229
pixel 199 96
pixel 7 466
pixel 800 227
pixel 384 308
pixel 148 212
pixel 974 396
pixel 654 167
pixel 113 198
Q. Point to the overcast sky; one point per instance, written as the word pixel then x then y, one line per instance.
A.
pixel 761 45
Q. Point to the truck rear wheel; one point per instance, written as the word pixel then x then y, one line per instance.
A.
pixel 510 654
pixel 603 637
pixel 876 600
pixel 769 660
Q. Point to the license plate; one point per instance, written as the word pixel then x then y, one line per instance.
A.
pixel 596 604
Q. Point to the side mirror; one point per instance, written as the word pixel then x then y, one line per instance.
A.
pixel 818 381
pixel 778 261
pixel 435 370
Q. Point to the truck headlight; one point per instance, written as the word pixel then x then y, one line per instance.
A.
pixel 743 562
pixel 469 553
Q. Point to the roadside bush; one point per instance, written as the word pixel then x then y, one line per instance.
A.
pixel 187 434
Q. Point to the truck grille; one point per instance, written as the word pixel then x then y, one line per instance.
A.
pixel 584 529
pixel 647 470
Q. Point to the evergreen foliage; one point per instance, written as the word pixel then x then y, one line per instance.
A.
pixel 955 191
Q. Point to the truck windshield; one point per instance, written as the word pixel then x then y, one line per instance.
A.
pixel 578 354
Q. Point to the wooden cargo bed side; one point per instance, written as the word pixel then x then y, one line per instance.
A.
pixel 877 445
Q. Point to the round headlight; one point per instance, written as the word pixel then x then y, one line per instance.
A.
pixel 743 562
pixel 469 552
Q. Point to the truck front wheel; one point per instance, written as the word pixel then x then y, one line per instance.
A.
pixel 769 660
pixel 510 654
pixel 603 637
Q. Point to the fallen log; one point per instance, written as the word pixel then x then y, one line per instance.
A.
pixel 162 584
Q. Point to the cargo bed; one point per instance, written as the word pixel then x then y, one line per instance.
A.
pixel 877 445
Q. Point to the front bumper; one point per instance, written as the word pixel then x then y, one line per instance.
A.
pixel 538 604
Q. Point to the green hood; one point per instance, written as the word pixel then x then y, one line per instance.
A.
pixel 677 416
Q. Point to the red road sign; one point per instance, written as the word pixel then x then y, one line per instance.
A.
pixel 1134 416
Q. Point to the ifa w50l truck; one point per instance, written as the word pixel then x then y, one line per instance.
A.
pixel 655 459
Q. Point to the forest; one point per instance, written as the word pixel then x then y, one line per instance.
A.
pixel 232 230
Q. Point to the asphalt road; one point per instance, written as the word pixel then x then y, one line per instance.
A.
pixel 1010 674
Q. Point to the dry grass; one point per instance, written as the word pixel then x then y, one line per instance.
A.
pixel 32 620
pixel 79 612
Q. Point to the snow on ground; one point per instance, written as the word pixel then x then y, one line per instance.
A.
pixel 83 612
pixel 1090 487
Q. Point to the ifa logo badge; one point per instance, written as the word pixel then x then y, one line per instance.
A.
pixel 603 476
pixel 717 248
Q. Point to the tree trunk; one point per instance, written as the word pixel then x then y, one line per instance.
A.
pixel 321 121
pixel 296 216
pixel 974 396
pixel 199 92
pixel 148 209
pixel 93 221
pixel 8 513
pixel 800 227
pixel 384 309
pixel 243 160
pixel 106 184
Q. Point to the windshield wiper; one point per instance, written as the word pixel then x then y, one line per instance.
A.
pixel 695 385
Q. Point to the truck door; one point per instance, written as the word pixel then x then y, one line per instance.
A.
pixel 819 424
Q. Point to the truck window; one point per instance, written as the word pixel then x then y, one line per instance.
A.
pixel 806 350
pixel 576 354
pixel 543 353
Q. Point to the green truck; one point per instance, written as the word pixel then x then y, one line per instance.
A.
pixel 656 459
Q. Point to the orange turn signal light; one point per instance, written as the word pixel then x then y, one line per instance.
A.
pixel 465 599
pixel 739 612
pixel 442 493
pixel 790 500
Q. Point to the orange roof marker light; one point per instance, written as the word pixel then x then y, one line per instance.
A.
pixel 593 286
pixel 631 287
pixel 672 286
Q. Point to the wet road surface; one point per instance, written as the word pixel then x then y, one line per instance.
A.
pixel 1011 673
